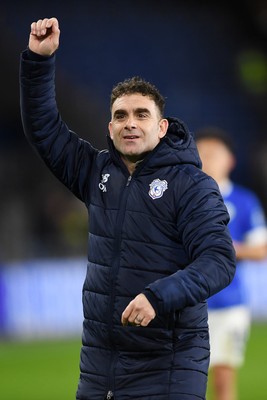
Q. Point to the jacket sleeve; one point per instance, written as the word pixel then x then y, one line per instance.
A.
pixel 203 220
pixel 68 157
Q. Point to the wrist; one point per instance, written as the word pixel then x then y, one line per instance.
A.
pixel 36 56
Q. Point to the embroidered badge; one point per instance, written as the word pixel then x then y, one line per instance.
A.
pixel 157 188
pixel 104 180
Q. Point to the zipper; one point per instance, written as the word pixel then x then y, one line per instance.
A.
pixel 114 270
pixel 129 180
pixel 109 395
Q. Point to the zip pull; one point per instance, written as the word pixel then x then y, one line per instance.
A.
pixel 129 180
pixel 109 395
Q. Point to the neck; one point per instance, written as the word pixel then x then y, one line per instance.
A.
pixel 132 162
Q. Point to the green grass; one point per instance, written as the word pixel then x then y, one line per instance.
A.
pixel 41 370
pixel 253 375
pixel 49 370
pixel 252 381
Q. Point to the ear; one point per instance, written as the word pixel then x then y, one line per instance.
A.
pixel 110 130
pixel 163 126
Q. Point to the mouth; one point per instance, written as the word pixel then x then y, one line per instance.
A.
pixel 130 137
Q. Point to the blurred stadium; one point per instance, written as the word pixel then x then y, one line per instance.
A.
pixel 210 60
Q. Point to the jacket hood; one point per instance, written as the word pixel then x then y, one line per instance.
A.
pixel 178 145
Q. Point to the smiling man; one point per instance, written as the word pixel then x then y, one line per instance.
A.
pixel 137 124
pixel 158 239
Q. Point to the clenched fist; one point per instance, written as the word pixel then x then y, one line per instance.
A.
pixel 44 36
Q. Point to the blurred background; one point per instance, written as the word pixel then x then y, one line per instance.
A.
pixel 208 58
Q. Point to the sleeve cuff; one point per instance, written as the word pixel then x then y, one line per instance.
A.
pixel 32 56
pixel 153 301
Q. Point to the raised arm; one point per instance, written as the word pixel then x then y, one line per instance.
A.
pixel 69 157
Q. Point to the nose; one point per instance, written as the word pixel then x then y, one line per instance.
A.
pixel 130 123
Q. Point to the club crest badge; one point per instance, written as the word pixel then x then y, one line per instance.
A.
pixel 157 188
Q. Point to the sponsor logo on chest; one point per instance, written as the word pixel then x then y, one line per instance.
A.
pixel 102 184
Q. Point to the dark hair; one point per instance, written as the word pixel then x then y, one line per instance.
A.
pixel 138 85
pixel 213 132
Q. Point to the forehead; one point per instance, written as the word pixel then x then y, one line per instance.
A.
pixel 133 101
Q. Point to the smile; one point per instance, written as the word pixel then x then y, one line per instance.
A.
pixel 130 137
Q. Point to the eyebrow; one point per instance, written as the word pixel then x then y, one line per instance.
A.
pixel 136 111
pixel 142 110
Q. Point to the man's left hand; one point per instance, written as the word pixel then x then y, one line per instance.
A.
pixel 139 312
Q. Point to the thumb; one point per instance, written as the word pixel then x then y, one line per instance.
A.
pixel 126 313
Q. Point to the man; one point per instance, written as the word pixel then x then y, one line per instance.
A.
pixel 158 241
pixel 229 316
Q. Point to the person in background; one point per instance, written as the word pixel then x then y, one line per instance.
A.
pixel 158 238
pixel 228 311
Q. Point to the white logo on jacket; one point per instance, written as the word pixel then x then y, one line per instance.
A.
pixel 157 188
pixel 104 180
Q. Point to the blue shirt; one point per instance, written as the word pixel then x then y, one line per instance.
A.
pixel 247 224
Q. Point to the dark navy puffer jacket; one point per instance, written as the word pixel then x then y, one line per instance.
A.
pixel 162 231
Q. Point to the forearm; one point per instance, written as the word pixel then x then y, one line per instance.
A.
pixel 37 96
pixel 68 157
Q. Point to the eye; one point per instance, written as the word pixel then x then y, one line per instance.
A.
pixel 142 115
pixel 119 116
